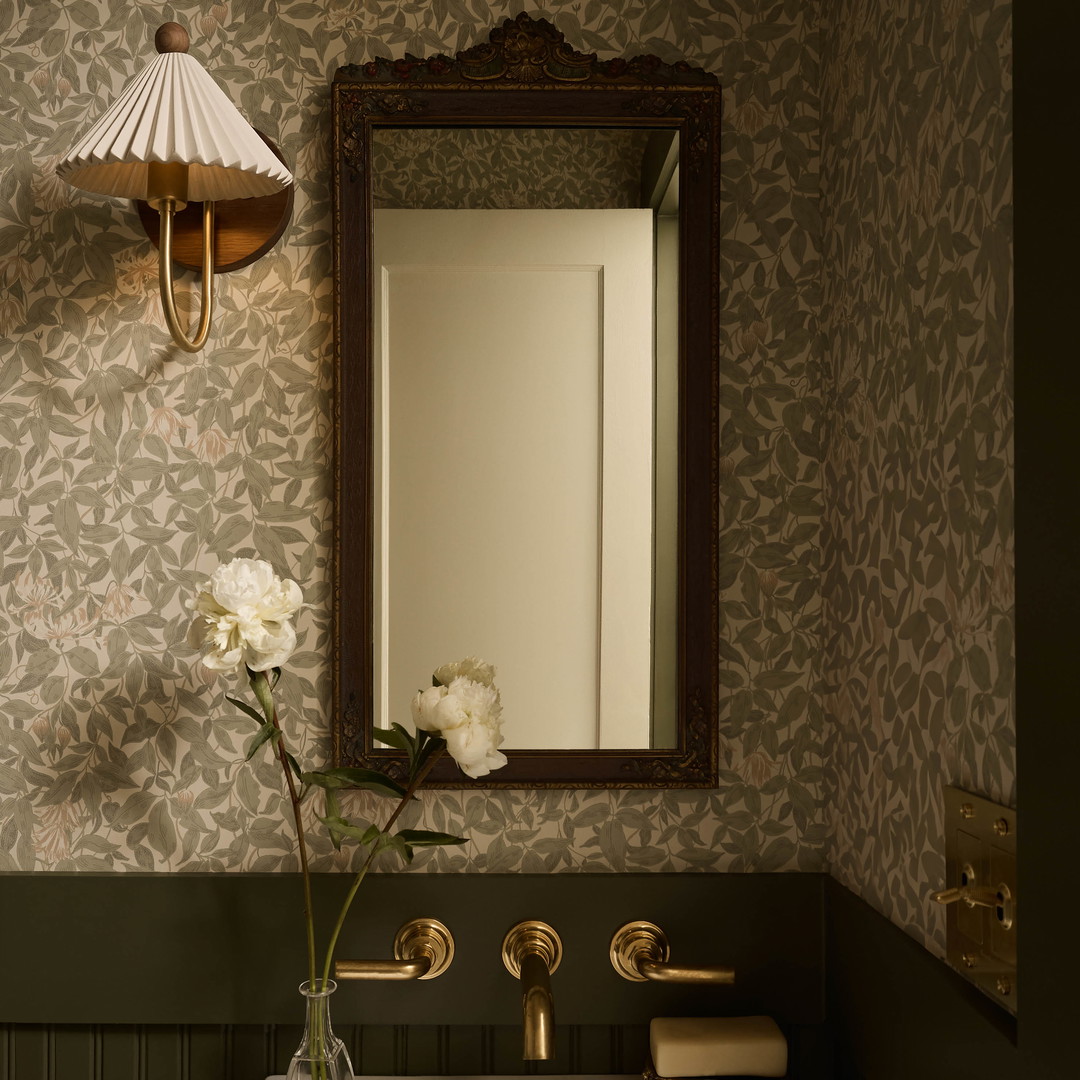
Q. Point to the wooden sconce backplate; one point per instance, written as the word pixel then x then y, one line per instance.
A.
pixel 244 229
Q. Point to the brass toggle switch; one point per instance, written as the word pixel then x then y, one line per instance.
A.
pixel 980 894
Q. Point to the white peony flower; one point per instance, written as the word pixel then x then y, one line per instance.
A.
pixel 244 612
pixel 466 711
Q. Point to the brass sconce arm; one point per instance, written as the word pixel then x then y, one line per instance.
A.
pixel 639 953
pixel 423 949
pixel 167 209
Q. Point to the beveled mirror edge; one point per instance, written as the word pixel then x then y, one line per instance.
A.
pixel 440 91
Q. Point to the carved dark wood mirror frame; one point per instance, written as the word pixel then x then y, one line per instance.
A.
pixel 526 75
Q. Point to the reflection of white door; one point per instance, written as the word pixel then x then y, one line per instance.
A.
pixel 513 435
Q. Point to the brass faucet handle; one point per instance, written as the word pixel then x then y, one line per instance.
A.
pixel 639 952
pixel 423 949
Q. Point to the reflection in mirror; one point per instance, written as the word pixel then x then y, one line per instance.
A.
pixel 521 350
pixel 526 245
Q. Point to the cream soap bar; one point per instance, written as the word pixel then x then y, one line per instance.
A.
pixel 717 1046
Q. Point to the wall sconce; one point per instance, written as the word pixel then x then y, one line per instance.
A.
pixel 173 137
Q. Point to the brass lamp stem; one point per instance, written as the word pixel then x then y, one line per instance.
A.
pixel 167 207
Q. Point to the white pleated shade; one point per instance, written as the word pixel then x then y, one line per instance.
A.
pixel 174 111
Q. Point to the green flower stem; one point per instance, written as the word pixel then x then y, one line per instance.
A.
pixel 301 844
pixel 414 783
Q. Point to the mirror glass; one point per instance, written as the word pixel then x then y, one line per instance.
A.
pixel 525 423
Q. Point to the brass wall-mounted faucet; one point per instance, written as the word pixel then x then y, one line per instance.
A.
pixel 423 949
pixel 639 952
pixel 531 951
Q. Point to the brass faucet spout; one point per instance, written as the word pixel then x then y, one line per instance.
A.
pixel 531 952
pixel 538 1008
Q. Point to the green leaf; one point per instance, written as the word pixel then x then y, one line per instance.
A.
pixel 294 764
pixel 395 843
pixel 427 838
pixel 263 691
pixel 397 739
pixel 267 731
pixel 354 778
pixel 244 707
pixel 339 828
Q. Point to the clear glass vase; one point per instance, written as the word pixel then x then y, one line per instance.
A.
pixel 321 1054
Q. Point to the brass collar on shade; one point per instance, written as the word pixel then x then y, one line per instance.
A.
pixel 173 137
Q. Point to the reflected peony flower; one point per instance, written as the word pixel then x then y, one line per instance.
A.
pixel 185 799
pixel 212 445
pixel 41 78
pixel 244 613
pixel 466 711
pixel 41 727
pixel 50 192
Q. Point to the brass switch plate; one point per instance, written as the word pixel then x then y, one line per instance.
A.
pixel 980 853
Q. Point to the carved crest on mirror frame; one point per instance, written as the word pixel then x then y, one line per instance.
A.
pixel 523 53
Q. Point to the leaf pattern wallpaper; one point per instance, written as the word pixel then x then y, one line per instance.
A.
pixel 865 456
pixel 918 526
pixel 516 169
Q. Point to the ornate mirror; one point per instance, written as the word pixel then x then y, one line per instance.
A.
pixel 527 335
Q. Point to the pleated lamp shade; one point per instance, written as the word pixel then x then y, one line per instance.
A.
pixel 173 111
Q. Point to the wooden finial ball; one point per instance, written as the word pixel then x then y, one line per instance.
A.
pixel 171 37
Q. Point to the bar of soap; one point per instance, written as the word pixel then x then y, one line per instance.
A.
pixel 717 1046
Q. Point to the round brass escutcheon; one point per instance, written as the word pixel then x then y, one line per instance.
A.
pixel 425 937
pixel 531 936
pixel 634 942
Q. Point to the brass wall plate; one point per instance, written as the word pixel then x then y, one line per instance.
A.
pixel 637 941
pixel 531 936
pixel 980 856
pixel 425 937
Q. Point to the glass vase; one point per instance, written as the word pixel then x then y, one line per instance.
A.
pixel 321 1054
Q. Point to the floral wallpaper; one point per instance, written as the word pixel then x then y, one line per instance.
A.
pixel 918 522
pixel 128 469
